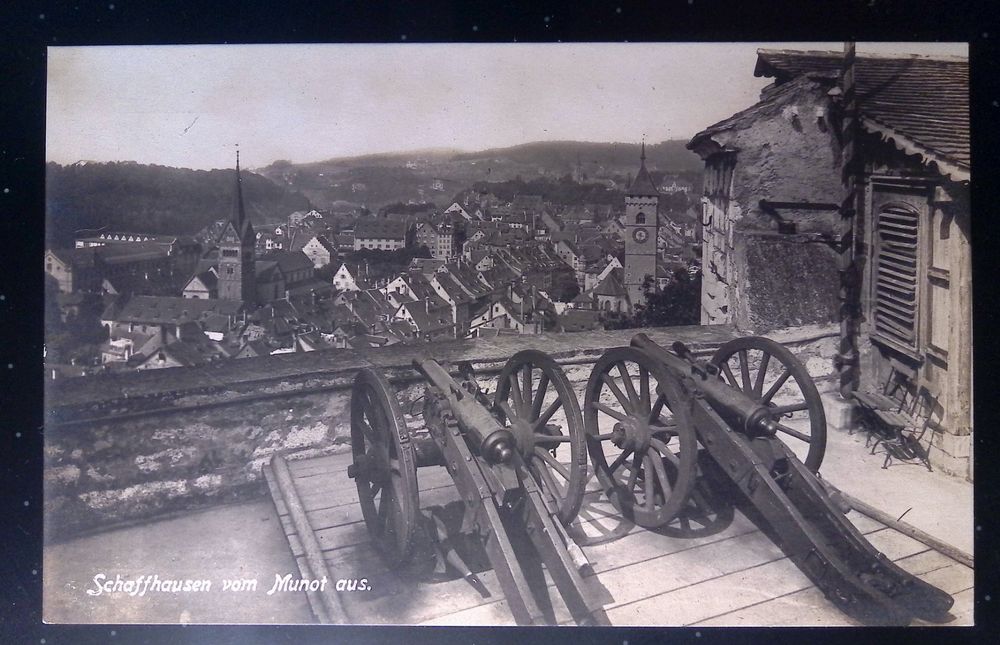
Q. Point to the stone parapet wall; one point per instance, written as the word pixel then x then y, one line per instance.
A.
pixel 130 447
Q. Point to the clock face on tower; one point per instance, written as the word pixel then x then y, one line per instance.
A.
pixel 640 235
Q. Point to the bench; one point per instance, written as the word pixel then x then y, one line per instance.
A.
pixel 896 419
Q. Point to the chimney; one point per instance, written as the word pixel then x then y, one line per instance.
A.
pixel 427 305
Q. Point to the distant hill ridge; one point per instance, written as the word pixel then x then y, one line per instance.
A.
pixel 670 155
pixel 153 199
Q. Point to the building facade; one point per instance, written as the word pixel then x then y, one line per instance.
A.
pixel 237 279
pixel 773 226
pixel 641 225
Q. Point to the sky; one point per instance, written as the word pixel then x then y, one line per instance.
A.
pixel 189 106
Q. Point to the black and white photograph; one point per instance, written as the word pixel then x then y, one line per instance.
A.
pixel 606 334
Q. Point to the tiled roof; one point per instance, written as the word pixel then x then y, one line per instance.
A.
pixel 255 348
pixel 769 104
pixel 289 261
pixel 920 103
pixel 642 185
pixel 611 285
pixel 78 258
pixel 426 265
pixel 426 317
pixel 377 228
pixel 208 278
pixel 452 288
pixel 173 310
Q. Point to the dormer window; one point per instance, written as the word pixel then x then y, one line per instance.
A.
pixel 640 218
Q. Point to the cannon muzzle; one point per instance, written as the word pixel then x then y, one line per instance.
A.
pixel 484 433
pixel 756 418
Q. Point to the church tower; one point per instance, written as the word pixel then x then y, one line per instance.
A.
pixel 641 227
pixel 237 277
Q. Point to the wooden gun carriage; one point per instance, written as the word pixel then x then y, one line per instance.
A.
pixel 653 423
pixel 499 454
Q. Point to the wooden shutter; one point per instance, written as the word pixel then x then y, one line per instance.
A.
pixel 896 275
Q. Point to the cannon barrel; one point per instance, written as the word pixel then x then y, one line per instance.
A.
pixel 755 417
pixel 491 440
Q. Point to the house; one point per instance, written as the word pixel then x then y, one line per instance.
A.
pixel 185 346
pixel 582 301
pixel 379 234
pixel 457 208
pixel 84 269
pixel 297 218
pixel 426 266
pixel 268 241
pixel 610 294
pixel 458 298
pixel 311 341
pixel 430 318
pixel 203 285
pixel 578 215
pixel 439 239
pixel 253 349
pixel 598 271
pixel 295 266
pixel 503 314
pixel 345 239
pixel 130 346
pixel 613 227
pixel 568 253
pixel 320 250
pixel 480 260
pixel 907 269
pixel 161 315
pixel 349 277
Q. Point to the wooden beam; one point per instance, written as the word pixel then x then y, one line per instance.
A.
pixel 907 529
pixel 313 553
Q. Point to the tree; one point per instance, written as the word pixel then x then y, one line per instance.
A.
pixel 679 303
pixel 564 286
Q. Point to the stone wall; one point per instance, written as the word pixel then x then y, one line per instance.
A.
pixel 779 150
pixel 788 281
pixel 129 447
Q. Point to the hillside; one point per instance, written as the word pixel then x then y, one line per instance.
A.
pixel 437 175
pixel 154 199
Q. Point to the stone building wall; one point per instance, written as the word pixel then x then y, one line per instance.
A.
pixel 781 150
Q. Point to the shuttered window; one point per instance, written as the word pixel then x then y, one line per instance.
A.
pixel 896 267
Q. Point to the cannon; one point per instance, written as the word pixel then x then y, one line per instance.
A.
pixel 657 420
pixel 518 461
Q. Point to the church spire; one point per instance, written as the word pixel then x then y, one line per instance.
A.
pixel 643 183
pixel 239 215
pixel 642 155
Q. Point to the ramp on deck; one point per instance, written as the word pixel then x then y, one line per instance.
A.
pixel 736 576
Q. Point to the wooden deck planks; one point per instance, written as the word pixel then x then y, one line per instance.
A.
pixel 736 577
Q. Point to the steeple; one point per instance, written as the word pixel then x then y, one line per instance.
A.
pixel 237 271
pixel 239 215
pixel 643 185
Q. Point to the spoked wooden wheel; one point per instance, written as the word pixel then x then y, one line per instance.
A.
pixel 635 418
pixel 384 467
pixel 771 374
pixel 708 510
pixel 538 403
